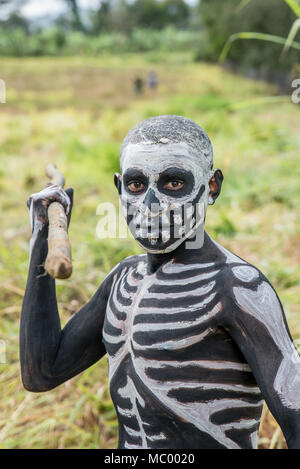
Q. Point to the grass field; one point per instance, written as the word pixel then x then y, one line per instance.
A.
pixel 75 112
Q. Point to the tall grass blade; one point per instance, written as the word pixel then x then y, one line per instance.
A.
pixel 292 34
pixel 257 36
pixel 294 5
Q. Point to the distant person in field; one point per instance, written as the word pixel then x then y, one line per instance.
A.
pixel 152 80
pixel 138 85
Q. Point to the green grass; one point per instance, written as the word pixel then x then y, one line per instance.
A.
pixel 75 112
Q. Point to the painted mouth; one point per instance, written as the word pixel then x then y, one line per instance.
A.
pixel 160 236
pixel 154 228
pixel 155 241
pixel 161 231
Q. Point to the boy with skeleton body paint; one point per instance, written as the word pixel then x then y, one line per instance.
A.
pixel 196 337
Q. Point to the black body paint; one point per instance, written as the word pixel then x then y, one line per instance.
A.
pixel 50 356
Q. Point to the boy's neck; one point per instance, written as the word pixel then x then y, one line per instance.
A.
pixel 182 254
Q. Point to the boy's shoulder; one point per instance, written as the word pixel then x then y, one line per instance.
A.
pixel 246 289
pixel 234 269
pixel 130 261
pixel 127 262
pixel 133 261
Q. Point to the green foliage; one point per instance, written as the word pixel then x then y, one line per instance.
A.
pixel 158 15
pixel 225 227
pixel 115 27
pixel 248 20
pixel 55 42
pixel 121 15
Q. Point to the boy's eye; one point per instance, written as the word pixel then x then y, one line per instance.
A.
pixel 173 185
pixel 136 186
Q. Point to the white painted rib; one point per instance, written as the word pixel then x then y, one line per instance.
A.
pixel 130 446
pixel 187 281
pixel 159 436
pixel 175 344
pixel 125 412
pixel 132 282
pixel 174 268
pixel 191 293
pixel 123 291
pixel 177 309
pixel 131 432
pixel 177 385
pixel 210 364
pixel 112 339
pixel 173 325
pixel 241 424
pixel 222 404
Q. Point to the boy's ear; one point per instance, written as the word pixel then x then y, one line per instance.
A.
pixel 118 181
pixel 215 185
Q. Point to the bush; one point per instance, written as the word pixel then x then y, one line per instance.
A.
pixel 54 41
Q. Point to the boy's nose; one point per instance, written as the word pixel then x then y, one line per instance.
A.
pixel 151 203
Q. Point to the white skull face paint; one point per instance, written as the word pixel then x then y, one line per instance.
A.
pixel 164 193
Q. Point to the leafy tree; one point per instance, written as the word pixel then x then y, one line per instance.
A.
pixel 158 14
pixel 100 18
pixel 76 23
pixel 10 16
pixel 177 12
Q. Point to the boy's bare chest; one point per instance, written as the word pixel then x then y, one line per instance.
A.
pixel 168 310
pixel 165 348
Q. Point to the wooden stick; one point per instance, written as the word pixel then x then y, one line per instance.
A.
pixel 59 259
